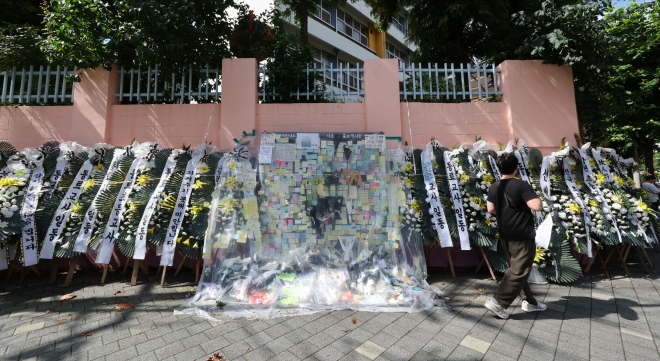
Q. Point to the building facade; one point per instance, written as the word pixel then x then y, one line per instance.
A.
pixel 347 36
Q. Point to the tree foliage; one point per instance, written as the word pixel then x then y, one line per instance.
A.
pixel 176 34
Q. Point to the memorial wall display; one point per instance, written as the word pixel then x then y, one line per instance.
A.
pixel 292 222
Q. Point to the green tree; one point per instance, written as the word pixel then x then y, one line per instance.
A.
pixel 175 34
pixel 633 98
pixel 20 33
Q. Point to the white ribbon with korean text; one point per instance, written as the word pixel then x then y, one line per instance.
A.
pixel 27 214
pixel 458 203
pixel 433 198
pixel 179 211
pixel 577 197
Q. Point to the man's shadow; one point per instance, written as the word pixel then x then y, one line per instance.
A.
pixel 579 307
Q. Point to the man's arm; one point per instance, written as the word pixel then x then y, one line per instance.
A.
pixel 491 207
pixel 650 187
pixel 535 204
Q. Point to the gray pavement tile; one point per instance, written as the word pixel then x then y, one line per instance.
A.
pixel 496 356
pixel 304 349
pixel 355 356
pixel 321 339
pixel 280 345
pixel 328 353
pixel 235 350
pixel 147 347
pixel 99 352
pixel 125 354
pixel 298 335
pixel 169 349
pixel 396 353
pixel 384 339
pixel 464 353
pixel 441 351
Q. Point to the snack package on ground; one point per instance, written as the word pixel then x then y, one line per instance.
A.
pixel 302 222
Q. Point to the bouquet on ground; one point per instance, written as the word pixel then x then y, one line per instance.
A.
pixel 411 211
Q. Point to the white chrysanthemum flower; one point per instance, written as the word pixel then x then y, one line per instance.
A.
pixel 562 215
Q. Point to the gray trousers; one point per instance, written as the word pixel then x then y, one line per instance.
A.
pixel 521 257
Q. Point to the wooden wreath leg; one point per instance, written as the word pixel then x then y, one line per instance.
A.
pixel 641 258
pixel 622 258
pixel 180 265
pixel 481 263
pixel 23 273
pixel 136 269
pixel 11 270
pixel 54 270
pixel 602 262
pixel 143 268
pixel 72 270
pixel 485 256
pixel 105 273
pixel 451 264
pixel 128 260
pixel 648 259
pixel 591 262
pixel 162 278
pixel 35 270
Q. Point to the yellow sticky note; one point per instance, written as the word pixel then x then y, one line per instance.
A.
pixel 223 241
pixel 242 236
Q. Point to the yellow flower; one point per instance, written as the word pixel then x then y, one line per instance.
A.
pixel 75 208
pixel 142 180
pixel 573 166
pixel 600 178
pixel 484 164
pixel 178 240
pixel 464 178
pixel 608 162
pixel 489 179
pixel 203 168
pixel 618 179
pixel 408 182
pixel 196 245
pixel 415 206
pixel 488 222
pixel 227 205
pixel 497 235
pixel 88 184
pixel 643 206
pixel 195 209
pixel 100 167
pixel 592 162
pixel 198 184
pixel 19 171
pixel 435 164
pixel 7 182
pixel 574 207
pixel 150 230
pixel 132 207
pixel 409 167
pixel 187 242
pixel 230 182
pixel 530 165
pixel 539 255
pixel 233 165
pixel 593 203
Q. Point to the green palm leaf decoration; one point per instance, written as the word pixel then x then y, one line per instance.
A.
pixel 568 267
pixel 498 259
pixel 145 185
pixel 105 200
pixel 160 220
pixel 53 195
pixel 195 221
pixel 6 151
pixel 64 249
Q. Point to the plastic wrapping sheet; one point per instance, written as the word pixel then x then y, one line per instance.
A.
pixel 302 222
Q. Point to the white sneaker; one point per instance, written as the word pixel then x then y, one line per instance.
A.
pixel 528 307
pixel 495 307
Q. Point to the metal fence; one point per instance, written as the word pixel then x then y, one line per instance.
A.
pixel 464 83
pixel 47 85
pixel 330 83
pixel 151 85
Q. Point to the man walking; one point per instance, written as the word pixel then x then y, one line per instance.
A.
pixel 512 202
pixel 650 189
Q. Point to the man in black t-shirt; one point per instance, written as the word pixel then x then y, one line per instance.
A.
pixel 512 201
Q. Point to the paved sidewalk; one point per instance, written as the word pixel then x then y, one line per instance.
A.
pixel 595 319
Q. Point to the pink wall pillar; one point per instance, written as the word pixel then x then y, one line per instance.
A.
pixel 93 98
pixel 239 100
pixel 382 101
pixel 540 101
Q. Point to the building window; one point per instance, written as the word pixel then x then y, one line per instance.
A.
pixel 351 27
pixel 399 22
pixel 348 78
pixel 321 57
pixel 323 12
pixel 394 53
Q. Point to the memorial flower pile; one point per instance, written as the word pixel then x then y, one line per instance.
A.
pixel 13 181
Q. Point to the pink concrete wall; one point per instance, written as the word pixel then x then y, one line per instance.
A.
pixel 311 118
pixel 541 102
pixel 538 105
pixel 171 125
pixel 25 127
pixel 454 124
